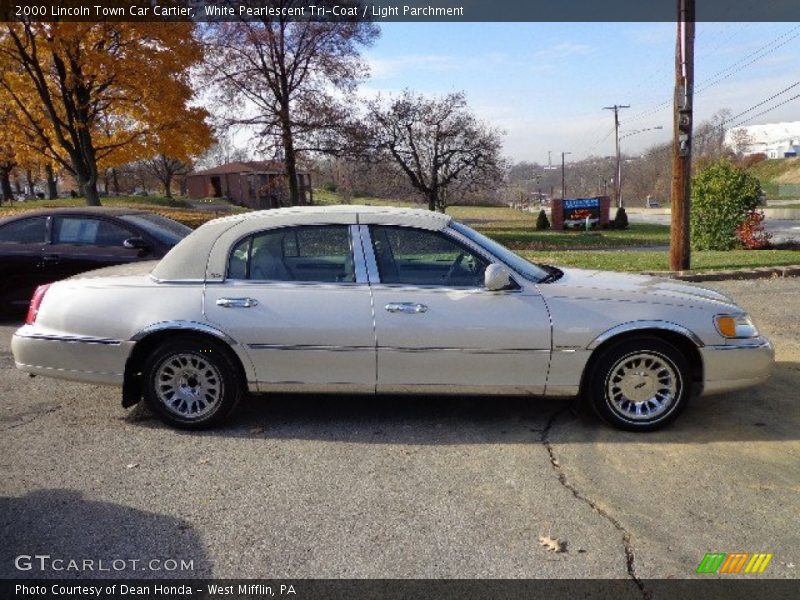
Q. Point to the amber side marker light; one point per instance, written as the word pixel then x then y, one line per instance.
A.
pixel 726 326
pixel 36 301
pixel 731 326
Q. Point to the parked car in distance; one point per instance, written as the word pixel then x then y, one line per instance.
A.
pixel 360 299
pixel 39 247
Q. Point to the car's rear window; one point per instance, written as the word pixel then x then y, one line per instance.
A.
pixel 163 229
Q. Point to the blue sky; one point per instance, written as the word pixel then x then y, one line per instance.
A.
pixel 545 83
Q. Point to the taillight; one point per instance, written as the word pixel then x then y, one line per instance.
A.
pixel 33 309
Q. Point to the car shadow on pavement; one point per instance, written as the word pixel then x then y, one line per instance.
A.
pixel 764 413
pixel 65 526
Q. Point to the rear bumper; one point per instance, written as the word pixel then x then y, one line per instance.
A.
pixel 736 366
pixel 84 359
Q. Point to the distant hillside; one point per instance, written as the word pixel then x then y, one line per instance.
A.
pixel 775 172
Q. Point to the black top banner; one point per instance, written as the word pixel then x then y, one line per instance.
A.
pixel 401 11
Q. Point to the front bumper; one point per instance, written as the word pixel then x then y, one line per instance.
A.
pixel 77 358
pixel 736 366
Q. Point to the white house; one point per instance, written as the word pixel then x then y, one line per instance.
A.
pixel 776 140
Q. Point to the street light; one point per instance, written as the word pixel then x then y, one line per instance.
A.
pixel 563 179
pixel 619 162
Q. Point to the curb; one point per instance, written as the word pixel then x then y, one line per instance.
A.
pixel 756 273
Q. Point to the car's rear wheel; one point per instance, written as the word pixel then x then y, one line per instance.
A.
pixel 191 383
pixel 639 384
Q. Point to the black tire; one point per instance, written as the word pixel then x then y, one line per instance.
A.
pixel 626 373
pixel 213 386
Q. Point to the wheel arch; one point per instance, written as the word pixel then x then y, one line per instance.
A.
pixel 682 338
pixel 150 338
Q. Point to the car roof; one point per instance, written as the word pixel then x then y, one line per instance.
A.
pixel 359 212
pixel 109 211
pixel 203 254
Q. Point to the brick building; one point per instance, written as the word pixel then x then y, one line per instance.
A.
pixel 255 184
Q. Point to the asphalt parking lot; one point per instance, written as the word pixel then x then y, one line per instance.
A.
pixel 405 487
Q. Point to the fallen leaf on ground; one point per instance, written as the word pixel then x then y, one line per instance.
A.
pixel 552 544
pixel 131 465
pixel 202 461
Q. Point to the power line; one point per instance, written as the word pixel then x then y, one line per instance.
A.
pixel 762 103
pixel 770 109
pixel 729 71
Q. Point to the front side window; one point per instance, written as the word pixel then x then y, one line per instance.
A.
pixel 86 231
pixel 24 231
pixel 420 257
pixel 318 253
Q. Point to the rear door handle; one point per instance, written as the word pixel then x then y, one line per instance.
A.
pixel 410 308
pixel 237 302
pixel 51 258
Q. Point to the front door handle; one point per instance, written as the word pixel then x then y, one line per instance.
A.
pixel 410 308
pixel 237 302
pixel 51 258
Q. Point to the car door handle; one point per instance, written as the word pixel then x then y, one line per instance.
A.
pixel 406 307
pixel 237 302
pixel 51 258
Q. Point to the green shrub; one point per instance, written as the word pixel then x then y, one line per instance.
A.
pixel 542 222
pixel 722 197
pixel 621 219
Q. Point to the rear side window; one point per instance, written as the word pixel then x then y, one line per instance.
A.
pixel 83 231
pixel 312 254
pixel 25 231
pixel 163 229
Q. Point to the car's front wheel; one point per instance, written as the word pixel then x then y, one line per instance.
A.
pixel 639 384
pixel 191 383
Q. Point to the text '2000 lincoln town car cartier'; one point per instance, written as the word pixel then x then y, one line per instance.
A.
pixel 361 299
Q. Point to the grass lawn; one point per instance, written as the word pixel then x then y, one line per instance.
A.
pixel 637 261
pixel 126 201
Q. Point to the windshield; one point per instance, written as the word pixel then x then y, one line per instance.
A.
pixel 524 267
pixel 163 229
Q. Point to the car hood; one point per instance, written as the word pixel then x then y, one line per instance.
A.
pixel 626 286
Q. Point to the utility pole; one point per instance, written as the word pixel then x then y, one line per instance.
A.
pixel 618 177
pixel 679 248
pixel 563 177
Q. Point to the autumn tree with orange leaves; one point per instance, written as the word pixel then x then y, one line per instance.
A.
pixel 93 95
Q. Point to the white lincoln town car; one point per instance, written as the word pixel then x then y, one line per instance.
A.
pixel 363 299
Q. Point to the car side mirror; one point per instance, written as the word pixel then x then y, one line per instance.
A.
pixel 136 243
pixel 496 278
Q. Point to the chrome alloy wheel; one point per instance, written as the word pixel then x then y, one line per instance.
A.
pixel 188 386
pixel 642 386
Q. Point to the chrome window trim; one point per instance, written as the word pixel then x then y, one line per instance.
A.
pixel 357 250
pixel 638 325
pixel 289 284
pixel 371 264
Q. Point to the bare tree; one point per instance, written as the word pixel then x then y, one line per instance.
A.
pixel 437 143
pixel 286 77
pixel 741 140
pixel 166 169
